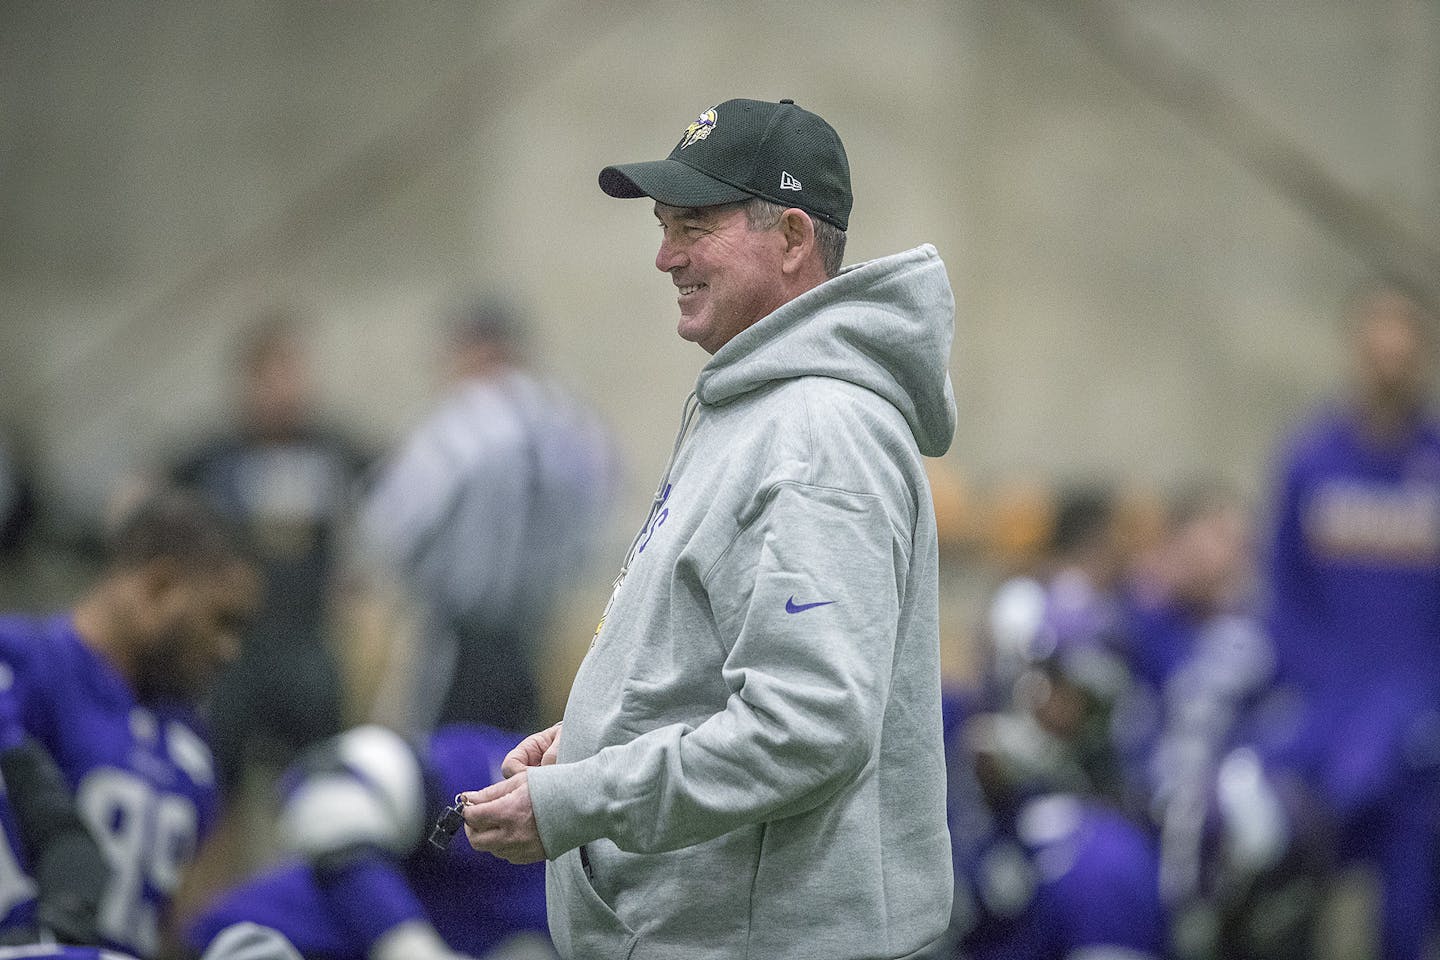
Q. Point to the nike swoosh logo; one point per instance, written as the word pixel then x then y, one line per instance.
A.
pixel 792 607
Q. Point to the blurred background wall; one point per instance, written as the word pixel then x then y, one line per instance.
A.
pixel 1141 297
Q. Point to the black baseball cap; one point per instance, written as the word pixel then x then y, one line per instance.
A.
pixel 746 148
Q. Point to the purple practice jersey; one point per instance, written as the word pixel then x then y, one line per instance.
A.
pixel 1199 682
pixel 1355 615
pixel 142 775
pixel 1355 562
pixel 336 908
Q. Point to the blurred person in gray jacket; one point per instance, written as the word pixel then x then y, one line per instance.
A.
pixel 484 514
pixel 752 761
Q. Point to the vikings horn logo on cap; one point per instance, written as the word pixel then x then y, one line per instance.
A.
pixel 700 129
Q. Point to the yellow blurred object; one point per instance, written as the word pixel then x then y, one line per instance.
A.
pixel 1021 518
pixel 1140 518
pixel 955 514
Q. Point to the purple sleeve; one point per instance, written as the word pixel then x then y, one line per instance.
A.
pixel 12 731
pixel 369 897
pixel 1294 598
pixel 1287 550
pixel 18 638
pixel 286 898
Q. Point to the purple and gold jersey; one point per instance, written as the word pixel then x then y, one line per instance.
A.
pixel 142 776
pixel 338 910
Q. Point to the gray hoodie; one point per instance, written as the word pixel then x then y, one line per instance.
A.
pixel 751 763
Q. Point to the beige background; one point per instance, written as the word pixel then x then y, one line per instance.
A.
pixel 1135 303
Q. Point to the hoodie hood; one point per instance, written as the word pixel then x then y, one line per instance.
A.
pixel 885 325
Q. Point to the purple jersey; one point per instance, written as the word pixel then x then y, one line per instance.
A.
pixel 1355 561
pixel 1355 582
pixel 338 911
pixel 142 775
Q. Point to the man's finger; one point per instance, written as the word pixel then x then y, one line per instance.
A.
pixel 527 753
pixel 486 841
pixel 514 762
pixel 478 806
pixel 473 798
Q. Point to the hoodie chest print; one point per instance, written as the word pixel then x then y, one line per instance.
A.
pixel 661 514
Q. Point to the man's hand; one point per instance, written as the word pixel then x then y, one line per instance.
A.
pixel 500 820
pixel 536 750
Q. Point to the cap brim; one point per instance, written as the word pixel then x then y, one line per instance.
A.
pixel 669 181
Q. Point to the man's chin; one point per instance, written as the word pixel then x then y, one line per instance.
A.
pixel 689 328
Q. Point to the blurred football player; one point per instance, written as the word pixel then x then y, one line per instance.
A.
pixel 1238 865
pixel 363 882
pixel 1354 571
pixel 1043 869
pixel 109 690
pixel 1065 627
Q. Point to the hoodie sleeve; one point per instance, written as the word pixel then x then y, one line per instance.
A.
pixel 807 601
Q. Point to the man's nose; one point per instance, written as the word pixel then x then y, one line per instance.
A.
pixel 669 256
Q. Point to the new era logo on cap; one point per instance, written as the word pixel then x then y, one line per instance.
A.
pixel 788 182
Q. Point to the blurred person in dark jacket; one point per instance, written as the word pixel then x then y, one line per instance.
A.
pixel 482 516
pixel 288 479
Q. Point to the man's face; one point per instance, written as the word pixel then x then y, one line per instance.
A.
pixel 1391 351
pixel 275 392
pixel 1210 557
pixel 196 629
pixel 728 276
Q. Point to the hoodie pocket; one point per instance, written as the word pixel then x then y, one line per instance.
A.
pixel 590 929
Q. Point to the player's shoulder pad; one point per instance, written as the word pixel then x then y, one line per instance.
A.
pixel 364 788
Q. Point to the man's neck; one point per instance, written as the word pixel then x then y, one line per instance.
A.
pixel 95 619
pixel 1387 420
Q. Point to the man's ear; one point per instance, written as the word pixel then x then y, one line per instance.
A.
pixel 799 233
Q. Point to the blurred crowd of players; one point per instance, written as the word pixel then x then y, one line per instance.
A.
pixel 1178 739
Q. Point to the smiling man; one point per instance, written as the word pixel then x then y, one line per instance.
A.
pixel 752 762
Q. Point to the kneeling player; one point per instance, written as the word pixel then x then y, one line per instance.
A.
pixel 1043 869
pixel 366 884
